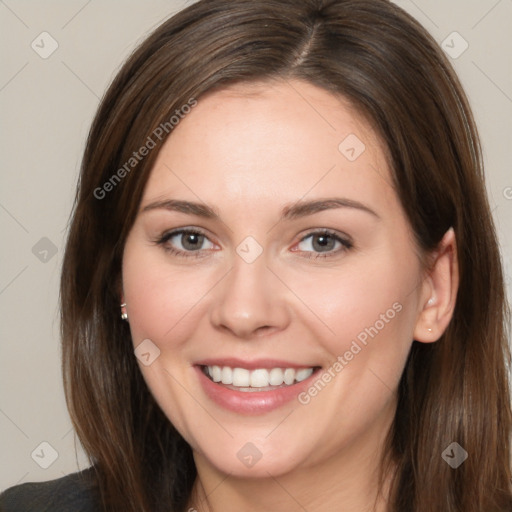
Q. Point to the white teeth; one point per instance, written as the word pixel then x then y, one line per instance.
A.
pixel 227 375
pixel 276 377
pixel 241 377
pixel 303 374
pixel 216 373
pixel 289 376
pixel 259 378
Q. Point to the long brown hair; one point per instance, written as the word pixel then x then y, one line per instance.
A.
pixel 391 70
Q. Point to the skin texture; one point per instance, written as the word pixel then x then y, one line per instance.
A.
pixel 248 151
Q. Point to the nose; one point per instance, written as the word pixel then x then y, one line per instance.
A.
pixel 250 301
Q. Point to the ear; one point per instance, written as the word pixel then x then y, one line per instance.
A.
pixel 439 292
pixel 122 303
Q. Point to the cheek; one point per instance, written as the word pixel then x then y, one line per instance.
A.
pixel 368 299
pixel 163 304
pixel 161 300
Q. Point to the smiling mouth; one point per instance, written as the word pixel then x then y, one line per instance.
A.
pixel 259 379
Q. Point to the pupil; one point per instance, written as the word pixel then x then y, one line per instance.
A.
pixel 192 241
pixel 323 242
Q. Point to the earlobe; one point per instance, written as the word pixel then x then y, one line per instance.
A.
pixel 439 291
pixel 124 313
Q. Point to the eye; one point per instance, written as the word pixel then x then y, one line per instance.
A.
pixel 185 242
pixel 323 244
pixel 192 243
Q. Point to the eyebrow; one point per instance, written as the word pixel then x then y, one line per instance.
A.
pixel 288 212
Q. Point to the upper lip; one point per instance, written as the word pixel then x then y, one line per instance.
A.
pixel 233 362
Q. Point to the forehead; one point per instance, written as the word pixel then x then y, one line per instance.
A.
pixel 271 143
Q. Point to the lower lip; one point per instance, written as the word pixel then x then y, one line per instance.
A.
pixel 251 402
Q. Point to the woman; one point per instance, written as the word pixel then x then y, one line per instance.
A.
pixel 282 288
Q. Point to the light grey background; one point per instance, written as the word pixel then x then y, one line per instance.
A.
pixel 47 105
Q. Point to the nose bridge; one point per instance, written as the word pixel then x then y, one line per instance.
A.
pixel 250 298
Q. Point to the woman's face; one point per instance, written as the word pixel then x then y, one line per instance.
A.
pixel 271 245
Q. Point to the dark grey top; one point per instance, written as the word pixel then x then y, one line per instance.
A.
pixel 72 493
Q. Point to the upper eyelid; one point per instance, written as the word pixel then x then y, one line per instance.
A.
pixel 178 231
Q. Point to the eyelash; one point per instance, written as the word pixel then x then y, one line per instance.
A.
pixel 165 237
pixel 177 252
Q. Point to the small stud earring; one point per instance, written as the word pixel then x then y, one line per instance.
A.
pixel 124 314
pixel 429 329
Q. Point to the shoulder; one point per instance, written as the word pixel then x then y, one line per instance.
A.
pixel 76 492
